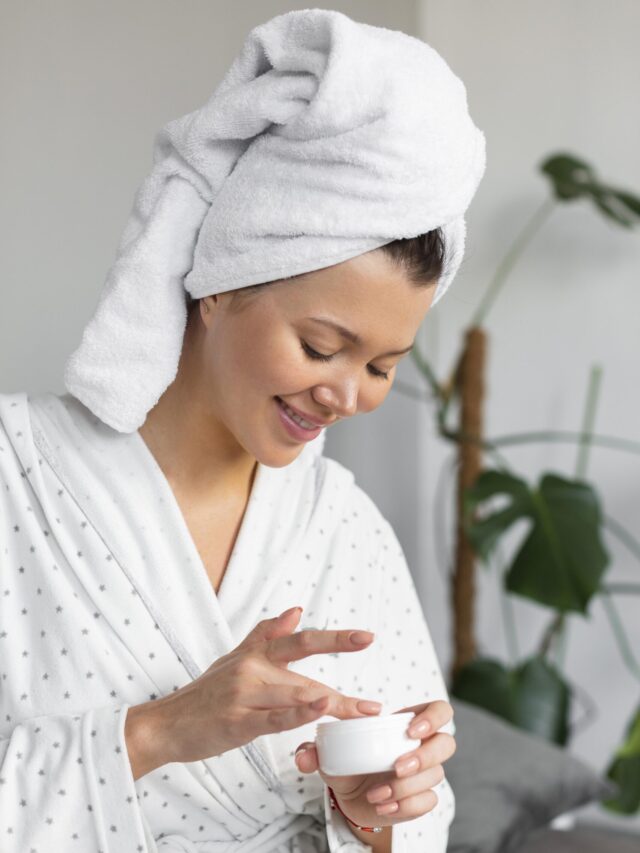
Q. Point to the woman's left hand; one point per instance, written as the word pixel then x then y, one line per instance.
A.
pixel 402 795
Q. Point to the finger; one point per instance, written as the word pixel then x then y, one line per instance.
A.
pixel 283 719
pixel 397 789
pixel 304 691
pixel 428 718
pixel 302 644
pixel 438 713
pixel 278 626
pixel 433 751
pixel 420 726
pixel 409 808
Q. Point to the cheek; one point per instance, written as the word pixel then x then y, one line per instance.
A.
pixel 236 369
pixel 275 366
pixel 372 395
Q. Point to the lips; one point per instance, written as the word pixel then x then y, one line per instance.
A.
pixel 311 418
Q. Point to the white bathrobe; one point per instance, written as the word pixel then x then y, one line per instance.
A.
pixel 105 604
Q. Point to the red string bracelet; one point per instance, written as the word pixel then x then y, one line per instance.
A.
pixel 334 805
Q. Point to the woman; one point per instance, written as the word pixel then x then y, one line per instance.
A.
pixel 158 678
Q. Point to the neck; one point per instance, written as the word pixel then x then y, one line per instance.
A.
pixel 197 454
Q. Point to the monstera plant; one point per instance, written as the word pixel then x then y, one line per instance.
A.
pixel 561 562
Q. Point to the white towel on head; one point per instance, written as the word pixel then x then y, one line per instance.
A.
pixel 326 138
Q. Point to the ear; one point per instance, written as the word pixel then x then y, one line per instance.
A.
pixel 207 305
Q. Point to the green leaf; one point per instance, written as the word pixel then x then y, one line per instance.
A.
pixel 484 534
pixel 562 558
pixel 543 699
pixel 485 682
pixel 533 696
pixel 625 771
pixel 608 202
pixel 570 177
pixel 630 201
pixel 573 178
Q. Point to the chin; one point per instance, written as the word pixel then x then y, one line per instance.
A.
pixel 279 457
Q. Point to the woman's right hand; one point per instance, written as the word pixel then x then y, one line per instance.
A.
pixel 250 692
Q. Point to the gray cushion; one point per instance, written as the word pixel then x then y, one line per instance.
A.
pixel 508 782
pixel 583 839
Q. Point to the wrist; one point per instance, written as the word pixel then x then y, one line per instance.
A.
pixel 379 842
pixel 144 736
pixel 333 800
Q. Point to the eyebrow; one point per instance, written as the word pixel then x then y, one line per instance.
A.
pixel 352 336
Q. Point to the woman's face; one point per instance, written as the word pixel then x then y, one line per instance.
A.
pixel 257 349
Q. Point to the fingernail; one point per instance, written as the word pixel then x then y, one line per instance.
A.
pixel 289 612
pixel 406 766
pixel 359 638
pixel 301 748
pixel 369 707
pixel 419 729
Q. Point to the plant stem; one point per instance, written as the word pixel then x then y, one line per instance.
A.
pixel 509 260
pixel 560 627
pixel 561 643
pixel 440 501
pixel 471 392
pixel 588 420
pixel 549 634
pixel 509 623
pixel 409 391
pixel 424 367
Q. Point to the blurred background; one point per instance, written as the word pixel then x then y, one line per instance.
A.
pixel 84 86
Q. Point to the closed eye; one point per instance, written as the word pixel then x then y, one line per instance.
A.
pixel 379 374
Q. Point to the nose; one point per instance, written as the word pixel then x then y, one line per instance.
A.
pixel 341 398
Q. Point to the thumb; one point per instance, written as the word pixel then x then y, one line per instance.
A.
pixel 306 758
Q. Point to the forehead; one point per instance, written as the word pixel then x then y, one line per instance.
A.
pixel 368 291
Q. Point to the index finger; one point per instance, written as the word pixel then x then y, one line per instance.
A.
pixel 301 644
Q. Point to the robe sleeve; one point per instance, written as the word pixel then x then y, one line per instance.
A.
pixel 404 671
pixel 66 783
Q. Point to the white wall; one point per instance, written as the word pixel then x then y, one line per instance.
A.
pixel 544 76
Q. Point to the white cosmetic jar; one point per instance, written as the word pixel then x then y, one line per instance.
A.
pixel 363 744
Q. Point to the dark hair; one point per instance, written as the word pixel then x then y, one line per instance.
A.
pixel 422 257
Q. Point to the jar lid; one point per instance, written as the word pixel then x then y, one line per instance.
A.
pixel 365 724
